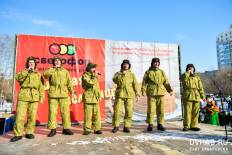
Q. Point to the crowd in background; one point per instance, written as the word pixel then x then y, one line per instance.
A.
pixel 213 110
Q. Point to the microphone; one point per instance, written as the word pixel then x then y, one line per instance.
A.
pixel 56 66
pixel 30 70
pixel 97 73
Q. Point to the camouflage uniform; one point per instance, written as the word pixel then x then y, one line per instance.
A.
pixel 60 85
pixel 127 87
pixel 192 93
pixel 155 84
pixel 31 92
pixel 91 98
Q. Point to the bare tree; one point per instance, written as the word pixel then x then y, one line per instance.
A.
pixel 214 81
pixel 6 65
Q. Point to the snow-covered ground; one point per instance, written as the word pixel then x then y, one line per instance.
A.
pixel 174 141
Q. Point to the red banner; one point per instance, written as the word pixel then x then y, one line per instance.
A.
pixel 75 54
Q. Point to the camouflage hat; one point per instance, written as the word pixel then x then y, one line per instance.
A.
pixel 90 65
pixel 55 58
pixel 155 60
pixel 190 65
pixel 126 61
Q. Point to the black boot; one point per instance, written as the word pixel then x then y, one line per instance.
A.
pixel 29 136
pixel 150 127
pixel 115 129
pixel 52 133
pixel 16 138
pixel 87 132
pixel 98 132
pixel 126 129
pixel 185 129
pixel 161 127
pixel 195 129
pixel 67 132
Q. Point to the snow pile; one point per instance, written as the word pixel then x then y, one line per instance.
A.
pixel 161 136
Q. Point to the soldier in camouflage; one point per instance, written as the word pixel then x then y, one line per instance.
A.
pixel 30 93
pixel 155 85
pixel 60 86
pixel 193 92
pixel 91 98
pixel 127 88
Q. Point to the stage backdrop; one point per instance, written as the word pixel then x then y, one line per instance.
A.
pixel 108 55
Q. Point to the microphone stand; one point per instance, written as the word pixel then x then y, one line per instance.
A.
pixel 224 117
pixel 223 112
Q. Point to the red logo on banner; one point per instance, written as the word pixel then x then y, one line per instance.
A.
pixel 62 49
